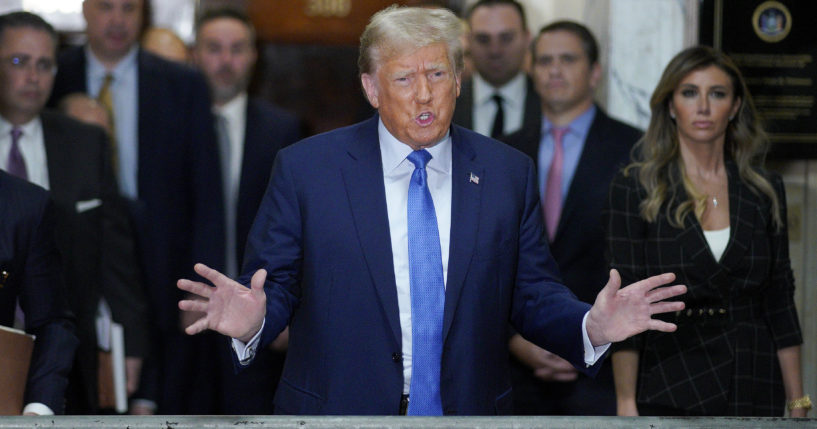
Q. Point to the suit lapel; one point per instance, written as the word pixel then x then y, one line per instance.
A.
pixel 56 156
pixel 363 177
pixel 251 154
pixel 465 202
pixel 742 209
pixel 592 156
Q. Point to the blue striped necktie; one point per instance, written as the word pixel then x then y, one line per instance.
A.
pixel 427 293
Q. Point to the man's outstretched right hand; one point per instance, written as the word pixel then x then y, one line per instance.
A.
pixel 229 307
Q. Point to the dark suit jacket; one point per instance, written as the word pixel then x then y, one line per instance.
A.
pixel 95 238
pixel 721 362
pixel 322 234
pixel 268 129
pixel 578 246
pixel 464 116
pixel 28 254
pixel 178 216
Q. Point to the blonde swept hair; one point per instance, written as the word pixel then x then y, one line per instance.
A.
pixel 657 156
pixel 396 30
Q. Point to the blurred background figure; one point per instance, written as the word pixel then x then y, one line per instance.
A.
pixel 250 132
pixel 166 158
pixel 92 230
pixel 166 44
pixel 499 99
pixel 697 201
pixel 577 149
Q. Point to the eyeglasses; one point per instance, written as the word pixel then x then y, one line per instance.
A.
pixel 21 63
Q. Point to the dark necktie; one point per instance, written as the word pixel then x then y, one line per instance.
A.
pixel 427 293
pixel 16 165
pixel 498 128
pixel 553 188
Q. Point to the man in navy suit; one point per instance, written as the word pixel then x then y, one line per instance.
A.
pixel 355 231
pixel 250 132
pixel 30 271
pixel 167 165
pixel 594 146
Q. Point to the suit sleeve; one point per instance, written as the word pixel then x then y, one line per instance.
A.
pixel 47 317
pixel 275 244
pixel 625 236
pixel 543 310
pixel 781 312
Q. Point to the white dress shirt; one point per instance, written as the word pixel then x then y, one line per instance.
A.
pixel 125 93
pixel 234 113
pixel 513 104
pixel 32 147
pixel 397 171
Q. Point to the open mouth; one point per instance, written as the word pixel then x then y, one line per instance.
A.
pixel 424 119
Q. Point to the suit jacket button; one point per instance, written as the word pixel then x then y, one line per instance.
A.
pixel 396 357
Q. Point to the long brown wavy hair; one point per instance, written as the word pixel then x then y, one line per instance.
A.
pixel 657 157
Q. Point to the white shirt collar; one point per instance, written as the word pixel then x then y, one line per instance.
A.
pixel 234 107
pixel 512 92
pixel 394 152
pixel 98 71
pixel 28 128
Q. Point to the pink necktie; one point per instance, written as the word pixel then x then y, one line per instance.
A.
pixel 553 187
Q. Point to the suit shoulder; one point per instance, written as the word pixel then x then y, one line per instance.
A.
pixel 15 191
pixel 176 73
pixel 271 114
pixel 488 148
pixel 619 129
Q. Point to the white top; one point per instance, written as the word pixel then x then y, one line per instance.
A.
pixel 717 240
pixel 32 147
pixel 234 113
pixel 513 104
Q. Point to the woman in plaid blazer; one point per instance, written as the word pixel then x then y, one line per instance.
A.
pixel 697 202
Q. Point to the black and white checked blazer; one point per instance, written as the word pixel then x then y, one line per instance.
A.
pixel 739 311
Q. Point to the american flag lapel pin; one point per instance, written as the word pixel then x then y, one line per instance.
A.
pixel 474 179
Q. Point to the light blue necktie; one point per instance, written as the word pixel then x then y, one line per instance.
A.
pixel 427 293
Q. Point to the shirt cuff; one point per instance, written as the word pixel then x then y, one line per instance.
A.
pixel 38 408
pixel 245 352
pixel 591 354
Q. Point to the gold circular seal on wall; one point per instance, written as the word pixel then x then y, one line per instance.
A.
pixel 772 21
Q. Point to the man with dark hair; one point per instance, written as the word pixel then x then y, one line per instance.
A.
pixel 499 99
pixel 166 161
pixel 250 132
pixel 397 250
pixel 577 149
pixel 72 160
